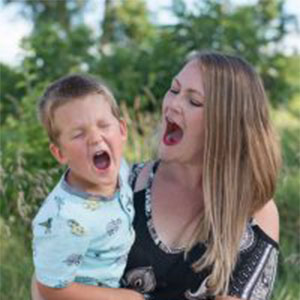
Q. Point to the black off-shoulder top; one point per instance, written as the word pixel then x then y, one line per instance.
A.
pixel 161 273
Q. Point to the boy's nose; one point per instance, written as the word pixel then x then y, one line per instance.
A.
pixel 95 137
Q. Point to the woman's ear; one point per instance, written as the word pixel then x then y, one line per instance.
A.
pixel 58 154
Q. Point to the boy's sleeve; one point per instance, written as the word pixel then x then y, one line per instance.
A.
pixel 124 169
pixel 59 245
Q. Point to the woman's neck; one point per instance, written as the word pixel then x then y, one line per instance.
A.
pixel 177 202
pixel 186 175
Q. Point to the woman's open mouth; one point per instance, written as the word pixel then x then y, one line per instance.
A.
pixel 101 160
pixel 173 133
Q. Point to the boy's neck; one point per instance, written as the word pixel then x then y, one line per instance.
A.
pixel 106 190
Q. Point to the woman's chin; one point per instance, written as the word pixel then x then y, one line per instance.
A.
pixel 167 152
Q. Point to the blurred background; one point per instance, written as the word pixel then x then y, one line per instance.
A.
pixel 136 46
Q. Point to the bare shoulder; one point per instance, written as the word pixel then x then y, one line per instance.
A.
pixel 143 176
pixel 268 219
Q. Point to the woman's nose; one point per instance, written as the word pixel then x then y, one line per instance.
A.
pixel 175 103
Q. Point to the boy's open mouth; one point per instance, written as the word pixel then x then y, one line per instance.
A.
pixel 173 134
pixel 101 160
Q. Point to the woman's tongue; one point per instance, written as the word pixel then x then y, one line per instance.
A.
pixel 173 134
pixel 101 161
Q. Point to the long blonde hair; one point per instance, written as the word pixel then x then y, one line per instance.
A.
pixel 240 164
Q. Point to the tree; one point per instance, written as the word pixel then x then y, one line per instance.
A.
pixel 45 11
pixel 12 90
pixel 126 22
pixel 255 32
pixel 52 52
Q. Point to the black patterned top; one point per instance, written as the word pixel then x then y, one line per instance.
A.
pixel 162 273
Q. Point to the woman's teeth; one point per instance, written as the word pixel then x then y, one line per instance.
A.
pixel 173 134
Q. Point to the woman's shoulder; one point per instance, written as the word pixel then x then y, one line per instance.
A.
pixel 262 230
pixel 255 270
pixel 267 218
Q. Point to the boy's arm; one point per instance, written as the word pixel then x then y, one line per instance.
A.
pixel 77 291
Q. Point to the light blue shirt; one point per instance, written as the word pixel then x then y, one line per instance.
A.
pixel 78 237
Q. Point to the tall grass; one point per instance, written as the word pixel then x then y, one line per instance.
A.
pixel 24 192
pixel 288 199
pixel 16 264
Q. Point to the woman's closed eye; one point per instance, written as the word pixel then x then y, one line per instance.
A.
pixel 174 90
pixel 195 102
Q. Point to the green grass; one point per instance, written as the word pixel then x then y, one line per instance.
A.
pixel 16 264
pixel 287 286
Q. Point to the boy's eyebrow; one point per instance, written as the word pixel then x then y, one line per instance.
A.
pixel 79 127
pixel 75 130
pixel 76 127
pixel 189 89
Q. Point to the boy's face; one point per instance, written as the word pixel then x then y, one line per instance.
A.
pixel 91 143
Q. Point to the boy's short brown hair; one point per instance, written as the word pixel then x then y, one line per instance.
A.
pixel 68 89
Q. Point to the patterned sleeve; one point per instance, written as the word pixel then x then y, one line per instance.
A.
pixel 134 172
pixel 59 245
pixel 255 272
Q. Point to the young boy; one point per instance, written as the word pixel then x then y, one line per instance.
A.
pixel 83 231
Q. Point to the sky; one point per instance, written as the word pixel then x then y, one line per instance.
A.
pixel 13 27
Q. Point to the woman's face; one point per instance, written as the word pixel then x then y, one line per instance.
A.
pixel 182 117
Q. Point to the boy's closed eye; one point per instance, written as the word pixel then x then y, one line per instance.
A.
pixel 77 134
pixel 103 125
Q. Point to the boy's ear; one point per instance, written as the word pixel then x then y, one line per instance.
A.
pixel 57 153
pixel 123 129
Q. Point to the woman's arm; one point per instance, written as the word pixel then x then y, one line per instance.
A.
pixel 78 291
pixel 268 220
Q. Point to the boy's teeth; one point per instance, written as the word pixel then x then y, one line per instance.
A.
pixel 101 160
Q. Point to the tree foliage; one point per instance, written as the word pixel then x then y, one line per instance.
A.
pixel 53 11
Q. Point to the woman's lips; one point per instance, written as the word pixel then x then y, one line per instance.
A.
pixel 173 134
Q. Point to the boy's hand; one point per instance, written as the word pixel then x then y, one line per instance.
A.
pixel 81 292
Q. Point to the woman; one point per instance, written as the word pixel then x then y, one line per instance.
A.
pixel 205 224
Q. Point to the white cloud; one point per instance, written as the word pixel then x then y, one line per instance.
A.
pixel 12 29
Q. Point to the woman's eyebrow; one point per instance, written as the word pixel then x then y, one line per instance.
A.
pixel 175 80
pixel 189 90
pixel 195 92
